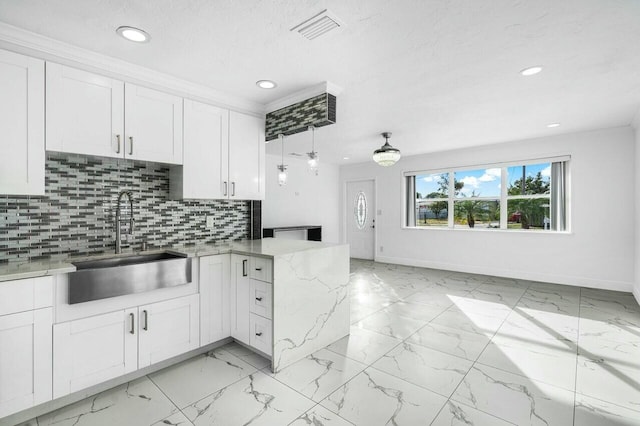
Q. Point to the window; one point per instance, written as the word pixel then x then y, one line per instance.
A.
pixel 526 196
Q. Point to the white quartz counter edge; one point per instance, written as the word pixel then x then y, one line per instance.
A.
pixel 267 247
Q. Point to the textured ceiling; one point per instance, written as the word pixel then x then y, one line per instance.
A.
pixel 438 74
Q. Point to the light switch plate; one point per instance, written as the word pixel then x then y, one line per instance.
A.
pixel 210 222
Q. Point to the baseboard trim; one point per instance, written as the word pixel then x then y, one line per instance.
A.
pixel 636 292
pixel 531 276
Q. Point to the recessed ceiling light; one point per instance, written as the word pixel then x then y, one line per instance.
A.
pixel 345 158
pixel 266 84
pixel 552 125
pixel 531 71
pixel 134 34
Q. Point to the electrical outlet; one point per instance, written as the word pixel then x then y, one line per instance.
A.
pixel 210 222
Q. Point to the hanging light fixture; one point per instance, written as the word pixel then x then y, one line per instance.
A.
pixel 386 155
pixel 282 174
pixel 314 159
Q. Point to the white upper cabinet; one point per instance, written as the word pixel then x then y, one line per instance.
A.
pixel 95 115
pixel 153 125
pixel 206 132
pixel 85 112
pixel 21 124
pixel 246 157
pixel 224 154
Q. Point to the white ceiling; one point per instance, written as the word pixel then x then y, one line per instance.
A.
pixel 439 74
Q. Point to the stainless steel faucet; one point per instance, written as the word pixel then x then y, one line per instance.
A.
pixel 118 218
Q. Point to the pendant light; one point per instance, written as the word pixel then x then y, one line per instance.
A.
pixel 386 155
pixel 314 159
pixel 282 174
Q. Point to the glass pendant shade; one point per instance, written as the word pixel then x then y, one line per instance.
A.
pixel 282 168
pixel 282 175
pixel 386 155
pixel 314 159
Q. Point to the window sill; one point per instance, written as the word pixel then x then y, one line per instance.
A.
pixel 492 230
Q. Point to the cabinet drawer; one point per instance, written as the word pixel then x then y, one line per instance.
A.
pixel 25 295
pixel 260 334
pixel 260 298
pixel 261 269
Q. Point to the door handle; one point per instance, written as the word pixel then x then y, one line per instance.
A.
pixel 259 334
pixel 132 330
pixel 259 299
pixel 233 189
pixel 258 269
pixel 146 320
pixel 130 145
pixel 244 267
pixel 118 140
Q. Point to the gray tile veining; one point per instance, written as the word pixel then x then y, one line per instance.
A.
pixel 427 347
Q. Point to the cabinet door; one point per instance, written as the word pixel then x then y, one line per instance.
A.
pixel 240 293
pixel 92 350
pixel 21 124
pixel 214 298
pixel 168 329
pixel 246 157
pixel 25 360
pixel 206 130
pixel 85 112
pixel 153 125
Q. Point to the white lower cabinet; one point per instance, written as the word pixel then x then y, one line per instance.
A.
pixel 251 302
pixel 240 293
pixel 92 350
pixel 214 298
pixel 25 360
pixel 168 329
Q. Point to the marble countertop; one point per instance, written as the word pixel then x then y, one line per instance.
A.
pixel 268 247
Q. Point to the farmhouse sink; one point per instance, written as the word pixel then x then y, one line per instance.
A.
pixel 122 275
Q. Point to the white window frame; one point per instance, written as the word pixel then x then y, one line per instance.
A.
pixel 503 199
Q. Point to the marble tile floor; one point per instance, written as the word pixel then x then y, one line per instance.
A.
pixel 427 347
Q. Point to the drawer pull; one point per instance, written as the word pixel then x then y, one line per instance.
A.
pixel 259 299
pixel 132 330
pixel 258 269
pixel 259 334
pixel 146 320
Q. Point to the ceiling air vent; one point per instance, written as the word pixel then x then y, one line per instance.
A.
pixel 319 25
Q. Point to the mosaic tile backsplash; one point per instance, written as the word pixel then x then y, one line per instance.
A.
pixel 77 214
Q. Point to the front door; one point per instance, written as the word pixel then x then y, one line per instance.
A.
pixel 360 216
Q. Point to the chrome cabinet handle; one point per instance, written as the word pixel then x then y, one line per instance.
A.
pixel 132 330
pixel 118 139
pixel 244 267
pixel 259 334
pixel 233 189
pixel 225 188
pixel 259 299
pixel 130 145
pixel 146 320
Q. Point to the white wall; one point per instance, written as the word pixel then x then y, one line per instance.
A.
pixel 598 252
pixel 306 199
pixel 636 288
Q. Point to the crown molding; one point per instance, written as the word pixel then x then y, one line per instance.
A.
pixel 304 94
pixel 32 44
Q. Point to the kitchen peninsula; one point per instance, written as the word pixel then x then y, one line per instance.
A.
pixel 284 299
